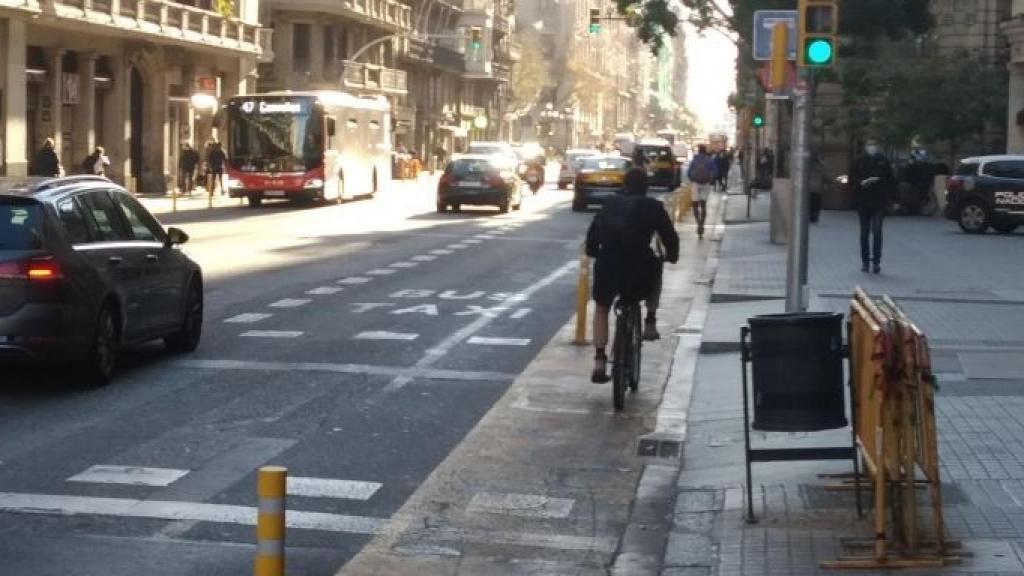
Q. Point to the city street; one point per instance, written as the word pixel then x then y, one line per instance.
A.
pixel 355 344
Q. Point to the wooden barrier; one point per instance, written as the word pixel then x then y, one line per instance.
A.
pixel 893 409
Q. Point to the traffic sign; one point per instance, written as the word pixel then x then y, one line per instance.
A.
pixel 764 22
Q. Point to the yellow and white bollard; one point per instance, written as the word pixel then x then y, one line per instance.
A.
pixel 582 298
pixel 270 526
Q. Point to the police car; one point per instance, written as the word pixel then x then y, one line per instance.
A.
pixel 987 191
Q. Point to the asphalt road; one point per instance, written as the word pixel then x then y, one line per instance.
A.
pixel 354 344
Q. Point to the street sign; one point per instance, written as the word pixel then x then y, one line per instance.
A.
pixel 764 21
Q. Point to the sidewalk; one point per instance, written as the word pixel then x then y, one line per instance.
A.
pixel 965 292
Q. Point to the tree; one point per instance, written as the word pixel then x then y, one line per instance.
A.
pixel 529 75
pixel 653 20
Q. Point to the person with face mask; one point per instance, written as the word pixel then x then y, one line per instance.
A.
pixel 871 181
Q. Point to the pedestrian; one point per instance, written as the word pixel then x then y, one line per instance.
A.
pixel 415 165
pixel 722 165
pixel 215 159
pixel 96 163
pixel 765 169
pixel 625 267
pixel 440 154
pixel 702 174
pixel 872 182
pixel 45 162
pixel 188 163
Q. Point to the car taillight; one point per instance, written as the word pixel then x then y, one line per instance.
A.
pixel 42 270
pixel 955 185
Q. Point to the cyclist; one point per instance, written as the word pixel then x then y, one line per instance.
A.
pixel 619 239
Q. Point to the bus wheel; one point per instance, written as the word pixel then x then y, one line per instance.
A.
pixel 255 200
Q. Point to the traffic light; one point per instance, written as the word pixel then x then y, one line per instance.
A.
pixel 757 121
pixel 595 20
pixel 818 26
pixel 476 35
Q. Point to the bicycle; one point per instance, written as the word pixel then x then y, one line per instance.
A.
pixel 626 351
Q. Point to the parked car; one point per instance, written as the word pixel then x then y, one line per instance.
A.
pixel 85 269
pixel 567 172
pixel 598 178
pixel 987 191
pixel 478 180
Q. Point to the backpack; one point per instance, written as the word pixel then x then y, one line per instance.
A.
pixel 702 171
pixel 617 231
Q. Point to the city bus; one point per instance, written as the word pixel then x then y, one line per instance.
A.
pixel 328 146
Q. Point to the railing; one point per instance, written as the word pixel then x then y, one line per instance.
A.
pixel 164 17
pixel 376 78
pixel 388 11
pixel 29 5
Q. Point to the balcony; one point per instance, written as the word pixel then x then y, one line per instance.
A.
pixel 372 78
pixel 147 19
pixel 387 15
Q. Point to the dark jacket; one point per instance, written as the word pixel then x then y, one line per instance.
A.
pixel 873 194
pixel 46 163
pixel 188 160
pixel 216 159
pixel 645 216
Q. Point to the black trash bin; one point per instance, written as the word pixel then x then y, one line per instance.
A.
pixel 797 365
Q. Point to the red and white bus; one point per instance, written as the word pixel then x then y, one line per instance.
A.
pixel 307 145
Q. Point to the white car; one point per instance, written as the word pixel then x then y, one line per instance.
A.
pixel 571 163
pixel 501 150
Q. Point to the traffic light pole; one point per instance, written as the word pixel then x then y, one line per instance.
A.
pixel 796 262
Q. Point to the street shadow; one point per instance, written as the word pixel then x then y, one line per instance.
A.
pixel 48 381
pixel 241 212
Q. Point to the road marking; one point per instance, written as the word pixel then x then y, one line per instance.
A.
pixel 381 272
pixel 382 335
pixel 424 258
pixel 324 290
pixel 433 355
pixel 497 232
pixel 527 505
pixel 353 280
pixel 484 236
pixel 392 371
pixel 51 504
pixel 498 341
pixel 330 488
pixel 248 318
pixel 441 252
pixel 290 303
pixel 472 241
pixel 457 246
pixel 133 475
pixel 404 265
pixel 271 334
pixel 519 314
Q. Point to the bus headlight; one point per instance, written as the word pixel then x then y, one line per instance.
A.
pixel 314 183
pixel 235 183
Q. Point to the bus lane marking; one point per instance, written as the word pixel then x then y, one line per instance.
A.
pixel 290 303
pixel 485 341
pixel 354 280
pixel 271 334
pixel 324 291
pixel 384 335
pixel 381 272
pixel 248 318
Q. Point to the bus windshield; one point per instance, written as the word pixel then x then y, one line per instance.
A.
pixel 275 138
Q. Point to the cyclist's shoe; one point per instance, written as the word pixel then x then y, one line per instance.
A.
pixel 600 373
pixel 651 331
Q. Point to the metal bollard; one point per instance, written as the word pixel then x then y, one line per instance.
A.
pixel 174 199
pixel 270 526
pixel 582 298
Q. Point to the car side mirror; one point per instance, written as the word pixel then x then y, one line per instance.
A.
pixel 175 236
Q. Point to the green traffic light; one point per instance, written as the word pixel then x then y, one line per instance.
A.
pixel 818 51
pixel 595 28
pixel 474 45
pixel 758 121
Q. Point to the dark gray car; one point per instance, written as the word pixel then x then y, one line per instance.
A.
pixel 84 270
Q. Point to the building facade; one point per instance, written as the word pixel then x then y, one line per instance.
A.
pixel 139 77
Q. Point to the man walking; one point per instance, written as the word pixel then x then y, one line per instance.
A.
pixel 215 159
pixel 625 267
pixel 702 174
pixel 46 162
pixel 188 162
pixel 871 180
pixel 96 163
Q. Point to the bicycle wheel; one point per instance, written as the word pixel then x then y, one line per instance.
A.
pixel 636 336
pixel 620 361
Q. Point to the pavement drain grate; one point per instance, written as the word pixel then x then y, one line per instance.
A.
pixel 655 448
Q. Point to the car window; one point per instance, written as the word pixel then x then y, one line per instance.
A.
pixel 470 167
pixel 617 164
pixel 72 218
pixel 20 224
pixel 967 169
pixel 144 226
pixel 102 216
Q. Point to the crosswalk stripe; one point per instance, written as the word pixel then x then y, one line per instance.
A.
pixel 248 318
pixel 485 341
pixel 133 475
pixel 60 505
pixel 424 258
pixel 331 488
pixel 519 314
pixel 441 252
pixel 404 265
pixel 383 335
pixel 290 303
pixel 271 334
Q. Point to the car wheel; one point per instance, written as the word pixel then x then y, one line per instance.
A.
pixel 456 207
pixel 973 218
pixel 186 339
pixel 98 367
pixel 1004 227
pixel 442 207
pixel 255 200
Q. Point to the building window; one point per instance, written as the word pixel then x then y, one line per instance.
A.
pixel 342 44
pixel 329 48
pixel 300 46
